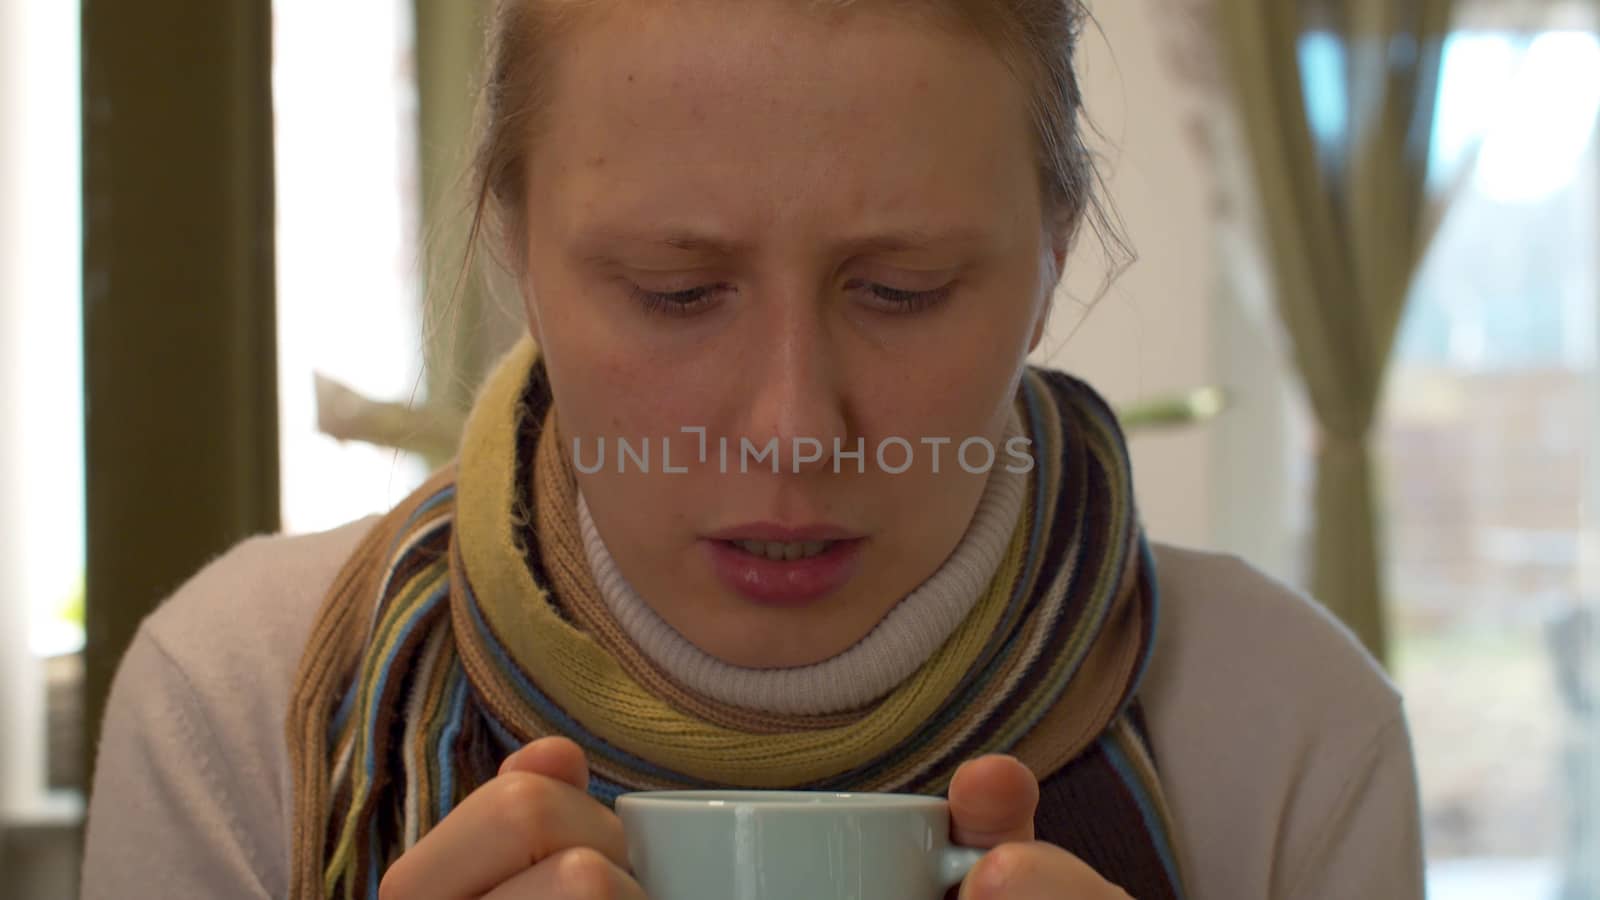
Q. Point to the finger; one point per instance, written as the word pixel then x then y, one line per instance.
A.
pixel 992 801
pixel 504 827
pixel 576 874
pixel 557 757
pixel 1035 871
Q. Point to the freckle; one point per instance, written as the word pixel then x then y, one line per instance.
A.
pixel 599 162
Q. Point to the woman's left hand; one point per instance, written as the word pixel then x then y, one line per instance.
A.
pixel 992 802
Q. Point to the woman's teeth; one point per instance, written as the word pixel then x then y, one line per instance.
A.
pixel 784 551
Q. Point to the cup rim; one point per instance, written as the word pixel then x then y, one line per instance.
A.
pixel 733 798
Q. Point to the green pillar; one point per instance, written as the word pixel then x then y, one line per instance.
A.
pixel 179 330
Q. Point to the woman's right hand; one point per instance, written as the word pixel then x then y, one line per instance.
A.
pixel 531 833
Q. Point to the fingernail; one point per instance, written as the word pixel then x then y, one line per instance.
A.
pixel 988 880
pixel 994 876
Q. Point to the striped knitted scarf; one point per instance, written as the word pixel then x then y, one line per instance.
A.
pixel 467 623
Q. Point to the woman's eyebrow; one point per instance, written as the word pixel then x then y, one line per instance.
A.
pixel 917 239
pixel 596 241
pixel 906 239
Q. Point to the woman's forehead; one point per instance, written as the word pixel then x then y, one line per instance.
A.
pixel 690 103
pixel 733 50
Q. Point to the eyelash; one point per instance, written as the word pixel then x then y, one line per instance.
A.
pixel 906 302
pixel 675 303
pixel 683 303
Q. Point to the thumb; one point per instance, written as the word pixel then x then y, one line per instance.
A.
pixel 553 757
pixel 992 802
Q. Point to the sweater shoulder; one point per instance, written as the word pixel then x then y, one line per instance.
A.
pixel 194 742
pixel 1267 718
pixel 248 613
pixel 1243 639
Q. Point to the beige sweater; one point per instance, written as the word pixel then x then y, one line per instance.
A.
pixel 1284 751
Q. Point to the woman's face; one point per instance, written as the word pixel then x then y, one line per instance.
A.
pixel 770 222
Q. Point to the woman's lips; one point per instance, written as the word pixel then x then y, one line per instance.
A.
pixel 784 583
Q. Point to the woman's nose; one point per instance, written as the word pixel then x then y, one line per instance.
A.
pixel 795 398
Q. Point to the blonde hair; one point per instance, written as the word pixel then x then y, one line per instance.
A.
pixel 1037 39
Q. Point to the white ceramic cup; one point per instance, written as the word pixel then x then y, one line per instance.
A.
pixel 791 845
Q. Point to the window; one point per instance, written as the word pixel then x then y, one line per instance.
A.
pixel 41 412
pixel 348 285
pixel 1489 443
pixel 1488 449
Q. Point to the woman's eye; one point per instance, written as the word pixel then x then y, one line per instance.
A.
pixel 903 301
pixel 676 303
pixel 696 299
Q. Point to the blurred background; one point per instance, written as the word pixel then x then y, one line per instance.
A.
pixel 1362 327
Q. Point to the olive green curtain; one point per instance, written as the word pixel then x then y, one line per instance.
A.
pixel 448 35
pixel 1347 226
pixel 466 326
